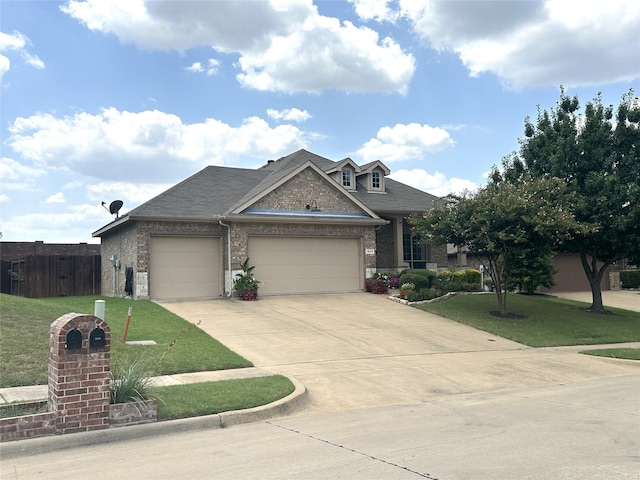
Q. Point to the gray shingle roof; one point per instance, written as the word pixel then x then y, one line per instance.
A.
pixel 215 191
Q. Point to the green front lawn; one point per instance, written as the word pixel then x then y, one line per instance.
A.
pixel 622 353
pixel 24 337
pixel 207 398
pixel 546 321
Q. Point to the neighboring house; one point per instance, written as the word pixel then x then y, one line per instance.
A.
pixel 307 223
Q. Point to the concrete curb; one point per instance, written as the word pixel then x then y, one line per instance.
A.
pixel 285 406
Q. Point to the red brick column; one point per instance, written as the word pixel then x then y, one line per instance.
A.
pixel 79 378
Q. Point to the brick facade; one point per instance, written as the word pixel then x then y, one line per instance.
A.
pixel 304 189
pixel 385 247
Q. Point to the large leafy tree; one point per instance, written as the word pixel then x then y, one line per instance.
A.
pixel 595 155
pixel 509 223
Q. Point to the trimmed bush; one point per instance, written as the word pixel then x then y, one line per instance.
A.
pixel 630 278
pixel 467 280
pixel 419 277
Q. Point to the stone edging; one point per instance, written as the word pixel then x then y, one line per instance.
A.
pixel 446 296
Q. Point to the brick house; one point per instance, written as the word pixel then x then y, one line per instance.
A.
pixel 307 223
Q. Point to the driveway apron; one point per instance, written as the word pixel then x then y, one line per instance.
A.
pixel 360 350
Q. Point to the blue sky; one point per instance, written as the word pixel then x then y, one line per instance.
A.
pixel 105 100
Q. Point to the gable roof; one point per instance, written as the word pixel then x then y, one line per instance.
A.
pixel 269 184
pixel 225 192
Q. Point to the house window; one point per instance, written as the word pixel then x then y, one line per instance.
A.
pixel 375 180
pixel 415 254
pixel 346 178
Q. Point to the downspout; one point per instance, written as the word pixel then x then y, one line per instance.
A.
pixel 228 254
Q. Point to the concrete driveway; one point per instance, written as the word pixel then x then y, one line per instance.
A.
pixel 627 299
pixel 360 350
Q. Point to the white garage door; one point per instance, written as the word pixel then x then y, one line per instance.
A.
pixel 185 267
pixel 288 265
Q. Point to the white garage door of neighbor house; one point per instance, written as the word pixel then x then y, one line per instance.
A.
pixel 287 265
pixel 185 267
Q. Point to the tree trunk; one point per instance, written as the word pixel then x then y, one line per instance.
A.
pixel 594 275
pixel 500 284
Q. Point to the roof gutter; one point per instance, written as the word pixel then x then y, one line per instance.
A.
pixel 230 285
pixel 247 218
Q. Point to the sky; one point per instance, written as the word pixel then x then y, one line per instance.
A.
pixel 105 100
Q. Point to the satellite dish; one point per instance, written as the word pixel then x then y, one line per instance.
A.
pixel 114 207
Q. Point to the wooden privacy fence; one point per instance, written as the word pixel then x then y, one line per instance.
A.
pixel 39 276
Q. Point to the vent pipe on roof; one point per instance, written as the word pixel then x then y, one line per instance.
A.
pixel 270 161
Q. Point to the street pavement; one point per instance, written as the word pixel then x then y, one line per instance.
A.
pixel 586 430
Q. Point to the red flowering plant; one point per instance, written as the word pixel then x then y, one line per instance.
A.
pixel 377 284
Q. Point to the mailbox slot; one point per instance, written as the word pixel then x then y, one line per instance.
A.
pixel 73 340
pixel 97 338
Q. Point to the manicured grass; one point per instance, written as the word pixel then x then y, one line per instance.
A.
pixel 623 353
pixel 24 337
pixel 197 399
pixel 546 321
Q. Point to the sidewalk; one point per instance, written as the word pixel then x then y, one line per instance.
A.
pixel 39 392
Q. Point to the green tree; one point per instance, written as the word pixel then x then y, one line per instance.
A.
pixel 508 223
pixel 596 156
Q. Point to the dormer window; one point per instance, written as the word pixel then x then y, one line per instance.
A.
pixel 346 178
pixel 375 180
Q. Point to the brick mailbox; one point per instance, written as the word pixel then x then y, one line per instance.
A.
pixel 79 365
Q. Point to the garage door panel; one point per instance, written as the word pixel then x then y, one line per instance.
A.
pixel 287 265
pixel 185 267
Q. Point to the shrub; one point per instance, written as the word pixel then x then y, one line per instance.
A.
pixel 406 290
pixel 394 281
pixel 630 278
pixel 467 280
pixel 472 275
pixel 377 285
pixel 425 294
pixel 245 285
pixel 419 277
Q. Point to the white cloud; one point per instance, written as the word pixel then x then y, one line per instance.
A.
pixel 16 176
pixel 34 61
pixel 212 68
pixel 289 114
pixel 405 142
pixel 56 198
pixel 149 146
pixel 3 197
pixel 16 42
pixel 324 54
pixel 5 65
pixel 525 44
pixel 379 10
pixel 73 225
pixel 132 194
pixel 283 46
pixel 195 67
pixel 436 184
